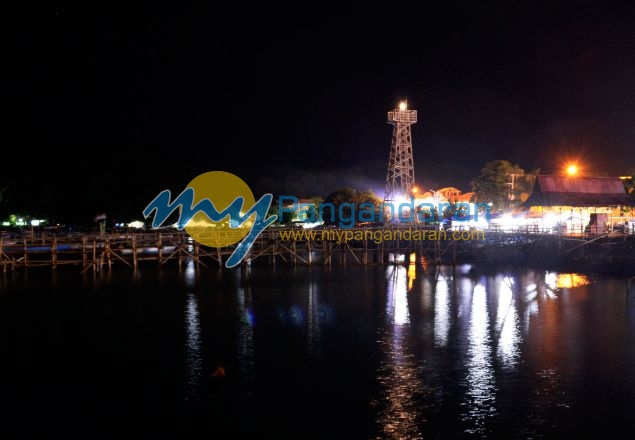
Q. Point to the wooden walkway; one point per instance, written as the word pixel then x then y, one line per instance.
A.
pixel 91 251
pixel 275 245
pixel 368 246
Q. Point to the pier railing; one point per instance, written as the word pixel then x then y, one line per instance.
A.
pixel 360 245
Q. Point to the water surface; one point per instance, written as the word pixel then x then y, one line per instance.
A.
pixel 396 352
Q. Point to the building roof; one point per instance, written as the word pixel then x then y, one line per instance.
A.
pixel 449 192
pixel 465 197
pixel 578 191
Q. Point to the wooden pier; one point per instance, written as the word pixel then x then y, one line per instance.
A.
pixel 292 246
pixel 295 246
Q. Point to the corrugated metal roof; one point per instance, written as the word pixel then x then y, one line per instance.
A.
pixel 587 185
pixel 578 191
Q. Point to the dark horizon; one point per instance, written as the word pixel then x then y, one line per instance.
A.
pixel 104 108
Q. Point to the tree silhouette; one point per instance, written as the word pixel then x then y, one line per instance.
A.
pixel 503 184
pixel 348 202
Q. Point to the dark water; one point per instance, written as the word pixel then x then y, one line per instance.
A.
pixel 398 352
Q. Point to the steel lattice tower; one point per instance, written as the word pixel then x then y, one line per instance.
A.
pixel 400 180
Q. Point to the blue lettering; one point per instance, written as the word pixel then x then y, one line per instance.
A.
pixel 282 209
pixel 161 204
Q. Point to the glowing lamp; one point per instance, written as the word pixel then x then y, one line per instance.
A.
pixel 572 170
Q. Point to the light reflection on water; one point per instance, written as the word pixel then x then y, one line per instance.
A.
pixel 480 399
pixel 193 342
pixel 507 325
pixel 400 413
pixel 441 312
pixel 568 280
pixel 245 341
pixel 313 317
pixel 193 337
pixel 468 356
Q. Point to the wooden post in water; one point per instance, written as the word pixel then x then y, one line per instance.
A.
pixel 108 253
pixel 4 265
pixel 273 254
pixel 437 246
pixel 26 258
pixel 381 252
pixel 160 249
pixel 94 255
pixel 84 251
pixel 54 253
pixel 134 251
pixel 365 253
pixel 453 252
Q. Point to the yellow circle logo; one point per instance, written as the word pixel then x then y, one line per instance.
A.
pixel 221 188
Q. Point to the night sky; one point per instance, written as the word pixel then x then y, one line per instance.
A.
pixel 105 106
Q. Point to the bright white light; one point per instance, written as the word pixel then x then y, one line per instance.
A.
pixel 550 220
pixel 550 280
pixel 508 222
pixel 136 224
pixel 309 225
pixel 572 170
pixel 403 105
pixel 400 199
pixel 397 301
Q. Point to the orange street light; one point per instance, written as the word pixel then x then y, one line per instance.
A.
pixel 572 170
